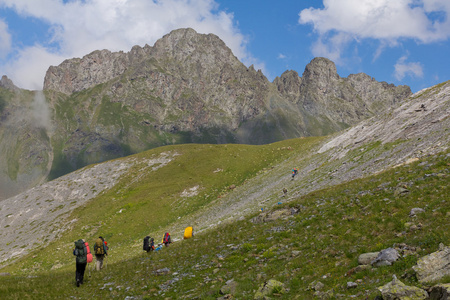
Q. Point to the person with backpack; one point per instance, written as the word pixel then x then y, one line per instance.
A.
pixel 294 172
pixel 166 239
pixel 81 261
pixel 100 251
pixel 149 244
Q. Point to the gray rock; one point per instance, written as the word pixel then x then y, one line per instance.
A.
pixel 351 285
pixel 367 258
pixel 386 257
pixel 229 287
pixel 315 286
pixel 433 266
pixel 397 290
pixel 416 211
pixel 163 271
pixel 401 191
pixel 268 288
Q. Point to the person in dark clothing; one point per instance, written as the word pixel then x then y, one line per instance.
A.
pixel 81 261
pixel 149 244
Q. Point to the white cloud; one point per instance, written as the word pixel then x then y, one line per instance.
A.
pixel 281 56
pixel 28 69
pixel 79 27
pixel 425 21
pixel 381 19
pixel 331 47
pixel 403 68
pixel 5 39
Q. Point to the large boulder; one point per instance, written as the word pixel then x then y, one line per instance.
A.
pixel 386 257
pixel 433 266
pixel 397 290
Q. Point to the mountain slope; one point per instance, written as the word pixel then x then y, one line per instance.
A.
pixel 343 210
pixel 357 152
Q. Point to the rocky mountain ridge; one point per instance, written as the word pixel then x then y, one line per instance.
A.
pixel 188 87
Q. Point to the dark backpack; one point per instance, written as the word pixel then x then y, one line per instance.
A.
pixel 98 248
pixel 146 246
pixel 80 252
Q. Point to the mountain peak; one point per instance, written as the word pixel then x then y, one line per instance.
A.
pixel 7 83
pixel 320 68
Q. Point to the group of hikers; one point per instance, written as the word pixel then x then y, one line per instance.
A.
pixel 149 242
pixel 84 256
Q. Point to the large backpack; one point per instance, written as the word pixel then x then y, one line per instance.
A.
pixel 89 254
pixel 146 246
pixel 166 239
pixel 188 232
pixel 80 252
pixel 98 248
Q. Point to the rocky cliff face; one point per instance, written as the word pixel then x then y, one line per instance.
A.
pixel 329 103
pixel 189 87
pixel 25 150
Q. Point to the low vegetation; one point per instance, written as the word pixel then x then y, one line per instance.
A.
pixel 321 242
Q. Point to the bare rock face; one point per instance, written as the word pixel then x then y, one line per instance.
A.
pixel 324 98
pixel 288 84
pixel 76 74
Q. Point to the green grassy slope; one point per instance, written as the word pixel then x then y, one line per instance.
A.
pixel 321 243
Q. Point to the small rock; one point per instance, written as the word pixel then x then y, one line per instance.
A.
pixel 416 211
pixel 315 286
pixel 351 285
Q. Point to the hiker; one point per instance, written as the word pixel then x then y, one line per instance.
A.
pixel 294 172
pixel 149 244
pixel 100 251
pixel 81 261
pixel 166 239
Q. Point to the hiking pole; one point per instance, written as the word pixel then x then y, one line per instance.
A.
pixel 106 259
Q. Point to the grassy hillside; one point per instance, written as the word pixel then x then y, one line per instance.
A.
pixel 320 243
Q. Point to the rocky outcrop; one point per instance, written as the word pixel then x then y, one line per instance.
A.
pixel 434 266
pixel 7 83
pixel 398 290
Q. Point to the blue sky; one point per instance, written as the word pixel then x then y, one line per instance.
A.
pixel 400 42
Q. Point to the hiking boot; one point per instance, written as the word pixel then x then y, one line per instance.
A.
pixel 78 283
